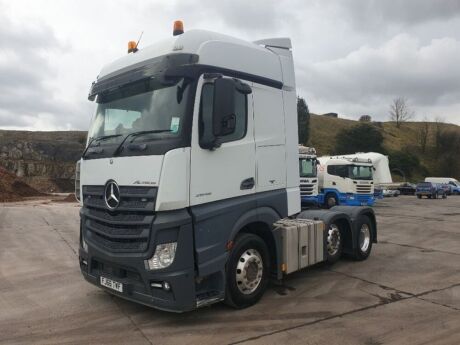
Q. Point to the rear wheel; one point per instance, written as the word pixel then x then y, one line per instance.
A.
pixel 331 200
pixel 334 243
pixel 248 270
pixel 364 238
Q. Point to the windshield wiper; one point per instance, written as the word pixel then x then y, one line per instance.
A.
pixel 136 134
pixel 95 140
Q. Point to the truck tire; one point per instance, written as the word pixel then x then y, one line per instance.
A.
pixel 334 243
pixel 419 196
pixel 248 270
pixel 330 200
pixel 364 238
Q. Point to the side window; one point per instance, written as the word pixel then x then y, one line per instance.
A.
pixel 338 170
pixel 206 109
pixel 331 170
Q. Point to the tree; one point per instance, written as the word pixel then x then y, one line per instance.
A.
pixel 400 111
pixel 363 137
pixel 404 161
pixel 365 118
pixel 303 120
pixel 438 133
pixel 423 134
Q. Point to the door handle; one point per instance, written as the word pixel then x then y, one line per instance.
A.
pixel 247 183
pixel 333 183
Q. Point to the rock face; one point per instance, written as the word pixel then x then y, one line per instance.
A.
pixel 44 160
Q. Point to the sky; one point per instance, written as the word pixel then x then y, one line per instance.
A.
pixel 352 57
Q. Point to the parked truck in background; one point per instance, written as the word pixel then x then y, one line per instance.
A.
pixel 331 181
pixel 381 172
pixel 308 175
pixel 189 184
pixel 345 181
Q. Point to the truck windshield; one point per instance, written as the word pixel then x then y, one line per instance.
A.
pixel 360 172
pixel 307 167
pixel 146 106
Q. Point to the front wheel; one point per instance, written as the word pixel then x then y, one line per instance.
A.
pixel 330 201
pixel 248 269
pixel 364 238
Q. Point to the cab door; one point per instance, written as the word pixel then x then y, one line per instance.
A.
pixel 226 171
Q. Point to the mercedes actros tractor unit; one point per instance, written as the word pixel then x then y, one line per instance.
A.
pixel 189 183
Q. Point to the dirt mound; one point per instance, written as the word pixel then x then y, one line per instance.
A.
pixel 70 198
pixel 13 188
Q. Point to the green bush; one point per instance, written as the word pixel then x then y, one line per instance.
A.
pixel 363 137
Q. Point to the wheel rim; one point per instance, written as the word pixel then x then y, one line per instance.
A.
pixel 333 239
pixel 364 238
pixel 249 271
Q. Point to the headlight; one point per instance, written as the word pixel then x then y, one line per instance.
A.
pixel 163 257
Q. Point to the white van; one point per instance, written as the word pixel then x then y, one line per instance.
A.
pixel 453 183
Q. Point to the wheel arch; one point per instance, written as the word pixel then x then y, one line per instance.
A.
pixel 354 212
pixel 260 223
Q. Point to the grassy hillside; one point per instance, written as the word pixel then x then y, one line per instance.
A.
pixel 324 130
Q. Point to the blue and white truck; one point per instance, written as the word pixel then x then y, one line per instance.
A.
pixel 339 180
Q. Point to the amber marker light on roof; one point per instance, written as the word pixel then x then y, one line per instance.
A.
pixel 132 47
pixel 178 28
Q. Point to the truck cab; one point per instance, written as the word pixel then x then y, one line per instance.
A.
pixel 190 167
pixel 308 175
pixel 345 181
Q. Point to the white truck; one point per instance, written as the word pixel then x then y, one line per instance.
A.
pixel 189 185
pixel 381 171
pixel 308 174
pixel 335 180
pixel 345 181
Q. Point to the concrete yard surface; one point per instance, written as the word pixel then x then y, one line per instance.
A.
pixel 407 292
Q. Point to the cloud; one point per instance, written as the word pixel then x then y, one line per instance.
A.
pixel 351 56
pixel 375 14
pixel 25 97
pixel 368 78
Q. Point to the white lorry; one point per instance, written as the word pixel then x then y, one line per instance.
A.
pixel 330 181
pixel 189 185
pixel 381 175
pixel 308 174
pixel 345 181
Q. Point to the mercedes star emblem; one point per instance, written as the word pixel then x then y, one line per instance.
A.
pixel 112 195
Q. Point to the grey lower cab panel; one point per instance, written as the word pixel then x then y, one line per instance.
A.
pixel 302 243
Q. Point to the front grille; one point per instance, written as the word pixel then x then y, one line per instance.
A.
pixel 364 189
pixel 125 229
pixel 362 198
pixel 306 189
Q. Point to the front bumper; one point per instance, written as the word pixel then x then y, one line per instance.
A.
pixel 130 270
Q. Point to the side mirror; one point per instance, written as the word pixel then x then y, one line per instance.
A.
pixel 223 115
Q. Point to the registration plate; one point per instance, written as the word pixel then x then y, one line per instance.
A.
pixel 111 284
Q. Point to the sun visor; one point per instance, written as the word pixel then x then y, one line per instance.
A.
pixel 144 70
